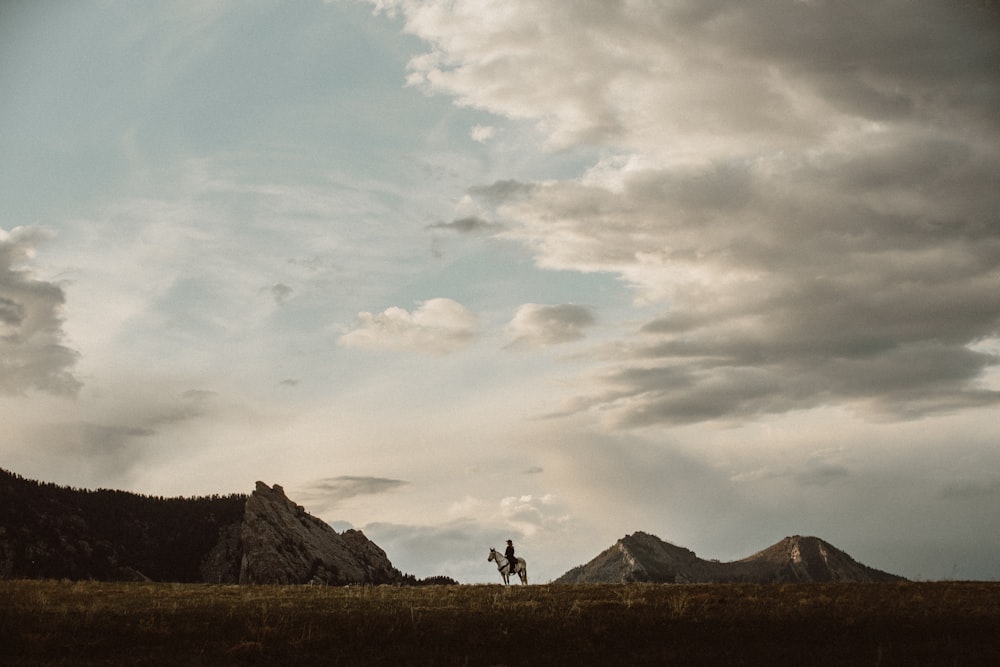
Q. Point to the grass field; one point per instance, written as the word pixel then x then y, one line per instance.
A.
pixel 93 623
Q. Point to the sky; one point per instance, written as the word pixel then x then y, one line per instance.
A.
pixel 454 272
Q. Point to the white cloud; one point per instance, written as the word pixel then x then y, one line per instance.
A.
pixel 530 514
pixel 482 133
pixel 437 326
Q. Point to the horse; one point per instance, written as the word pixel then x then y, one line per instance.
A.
pixel 521 568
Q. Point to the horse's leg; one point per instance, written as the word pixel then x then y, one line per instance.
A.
pixel 522 570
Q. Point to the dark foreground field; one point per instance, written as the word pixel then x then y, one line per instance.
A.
pixel 89 623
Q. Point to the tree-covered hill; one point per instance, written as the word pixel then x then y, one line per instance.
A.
pixel 50 531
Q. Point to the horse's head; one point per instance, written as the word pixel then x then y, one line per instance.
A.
pixel 493 555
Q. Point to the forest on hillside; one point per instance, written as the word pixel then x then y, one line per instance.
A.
pixel 57 532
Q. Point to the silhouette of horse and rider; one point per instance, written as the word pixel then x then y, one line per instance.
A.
pixel 508 562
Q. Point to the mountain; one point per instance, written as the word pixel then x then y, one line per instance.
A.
pixel 48 531
pixel 644 557
pixel 281 543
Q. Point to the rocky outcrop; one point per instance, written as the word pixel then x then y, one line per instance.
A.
pixel 47 531
pixel 643 557
pixel 283 544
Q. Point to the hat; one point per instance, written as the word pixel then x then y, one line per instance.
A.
pixel 509 542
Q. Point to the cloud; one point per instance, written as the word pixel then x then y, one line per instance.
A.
pixel 281 293
pixel 531 514
pixel 536 325
pixel 983 485
pixel 798 69
pixel 337 489
pixel 117 436
pixel 469 225
pixel 798 287
pixel 436 326
pixel 32 353
pixel 110 451
pixel 821 474
pixel 814 215
pixel 482 133
pixel 501 192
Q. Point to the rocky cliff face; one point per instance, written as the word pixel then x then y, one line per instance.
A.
pixel 280 543
pixel 644 557
pixel 48 531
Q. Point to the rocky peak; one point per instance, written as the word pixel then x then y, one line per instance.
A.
pixel 640 557
pixel 644 557
pixel 646 547
pixel 799 558
pixel 284 544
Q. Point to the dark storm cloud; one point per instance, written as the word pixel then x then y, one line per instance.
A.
pixel 32 353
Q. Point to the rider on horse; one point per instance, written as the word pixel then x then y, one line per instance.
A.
pixel 510 564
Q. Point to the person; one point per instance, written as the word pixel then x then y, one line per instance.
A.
pixel 511 559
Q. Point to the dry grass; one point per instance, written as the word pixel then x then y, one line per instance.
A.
pixel 91 623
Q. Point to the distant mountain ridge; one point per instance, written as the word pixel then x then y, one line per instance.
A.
pixel 53 532
pixel 641 557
